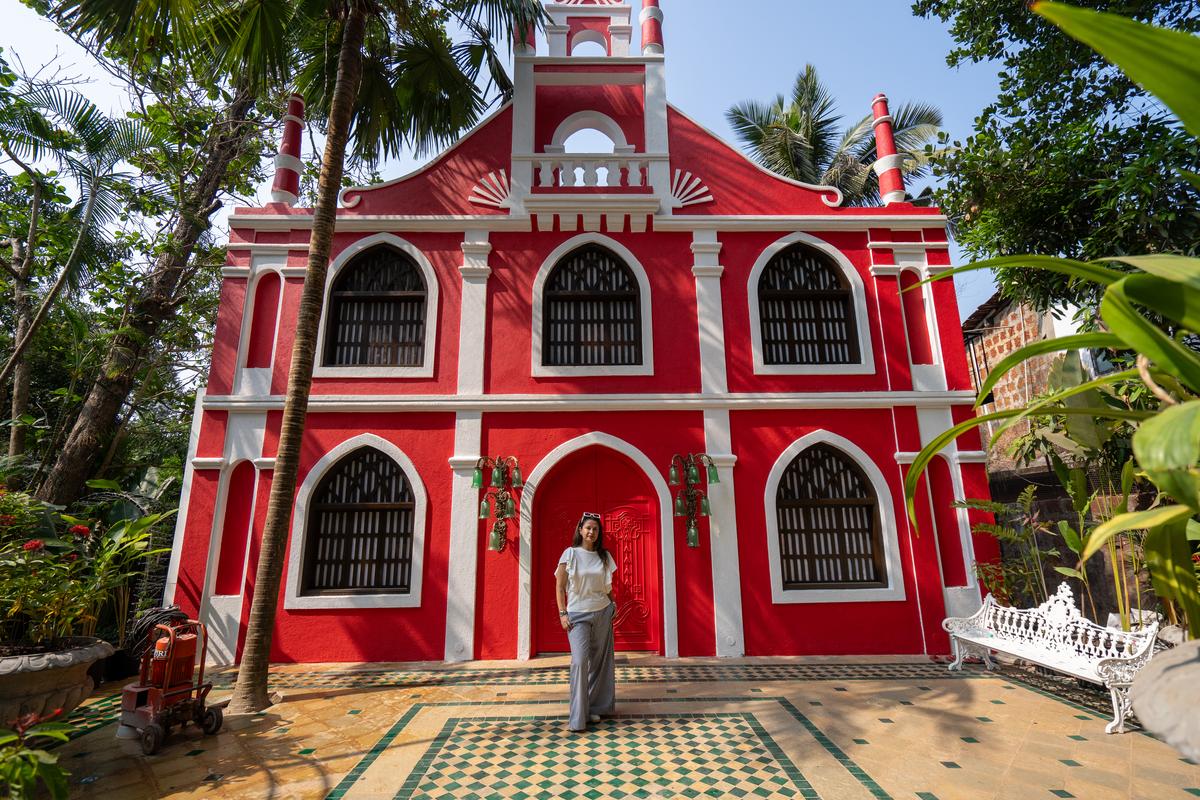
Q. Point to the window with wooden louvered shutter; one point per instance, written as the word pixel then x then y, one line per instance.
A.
pixel 377 312
pixel 829 523
pixel 359 532
pixel 806 310
pixel 591 311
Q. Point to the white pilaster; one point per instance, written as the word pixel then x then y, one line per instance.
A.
pixel 656 130
pixel 524 104
pixel 727 579
pixel 464 538
pixel 472 328
pixel 708 271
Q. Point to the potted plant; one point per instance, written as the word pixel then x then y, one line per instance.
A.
pixel 57 573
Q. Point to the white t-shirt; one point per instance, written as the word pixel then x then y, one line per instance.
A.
pixel 588 580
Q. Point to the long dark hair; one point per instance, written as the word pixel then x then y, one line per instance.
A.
pixel 578 541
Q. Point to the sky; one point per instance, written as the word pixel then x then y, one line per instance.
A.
pixel 718 53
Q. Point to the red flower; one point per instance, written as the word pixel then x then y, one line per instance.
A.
pixel 72 556
pixel 1196 557
pixel 7 519
pixel 34 544
pixel 80 530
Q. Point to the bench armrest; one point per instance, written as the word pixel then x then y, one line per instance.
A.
pixel 1121 671
pixel 973 622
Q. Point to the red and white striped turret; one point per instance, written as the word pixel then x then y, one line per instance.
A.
pixel 286 188
pixel 887 164
pixel 652 34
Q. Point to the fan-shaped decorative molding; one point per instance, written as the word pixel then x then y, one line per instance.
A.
pixel 492 191
pixel 689 190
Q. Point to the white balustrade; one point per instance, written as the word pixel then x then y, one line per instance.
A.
pixel 591 170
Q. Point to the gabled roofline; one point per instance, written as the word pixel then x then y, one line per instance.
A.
pixel 343 203
pixel 810 186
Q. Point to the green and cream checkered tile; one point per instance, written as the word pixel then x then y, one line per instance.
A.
pixel 678 755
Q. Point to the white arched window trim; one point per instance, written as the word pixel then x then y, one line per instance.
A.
pixel 589 120
pixel 587 35
pixel 866 362
pixel 257 381
pixel 539 285
pixel 299 540
pixel 666 528
pixel 432 307
pixel 894 591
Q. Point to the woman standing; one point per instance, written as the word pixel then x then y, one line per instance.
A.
pixel 586 609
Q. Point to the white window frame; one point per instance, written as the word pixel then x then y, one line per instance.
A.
pixel 894 590
pixel 293 600
pixel 647 321
pixel 866 351
pixel 432 307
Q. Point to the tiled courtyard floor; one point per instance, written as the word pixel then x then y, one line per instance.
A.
pixel 753 728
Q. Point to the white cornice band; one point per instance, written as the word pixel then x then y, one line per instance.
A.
pixel 522 403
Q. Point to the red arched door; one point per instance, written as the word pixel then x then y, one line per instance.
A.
pixel 601 480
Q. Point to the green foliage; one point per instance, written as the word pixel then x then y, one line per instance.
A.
pixel 1073 158
pixel 1166 442
pixel 23 768
pixel 1020 577
pixel 60 571
pixel 798 138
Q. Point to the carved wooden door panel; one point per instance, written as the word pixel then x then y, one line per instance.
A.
pixel 601 480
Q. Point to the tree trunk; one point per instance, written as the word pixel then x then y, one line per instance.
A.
pixel 20 374
pixel 250 692
pixel 154 307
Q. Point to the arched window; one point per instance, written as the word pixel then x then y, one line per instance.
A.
pixel 591 311
pixel 359 532
pixel 829 523
pixel 377 312
pixel 806 310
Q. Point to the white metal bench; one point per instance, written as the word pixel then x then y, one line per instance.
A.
pixel 1056 636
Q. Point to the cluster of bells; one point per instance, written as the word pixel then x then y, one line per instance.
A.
pixel 690 501
pixel 505 476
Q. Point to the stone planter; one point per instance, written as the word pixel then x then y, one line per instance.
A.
pixel 42 682
pixel 1166 694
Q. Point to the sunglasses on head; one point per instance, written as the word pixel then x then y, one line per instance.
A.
pixel 591 515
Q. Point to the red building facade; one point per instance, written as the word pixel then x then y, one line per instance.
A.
pixel 590 314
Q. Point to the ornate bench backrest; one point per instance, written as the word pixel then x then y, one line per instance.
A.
pixel 1057 626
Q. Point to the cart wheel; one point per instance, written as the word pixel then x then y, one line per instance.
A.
pixel 152 738
pixel 211 721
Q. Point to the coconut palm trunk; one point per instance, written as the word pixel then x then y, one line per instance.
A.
pixel 250 692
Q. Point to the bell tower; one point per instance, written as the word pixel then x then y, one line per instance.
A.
pixel 619 93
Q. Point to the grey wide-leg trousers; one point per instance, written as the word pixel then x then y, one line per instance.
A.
pixel 593 672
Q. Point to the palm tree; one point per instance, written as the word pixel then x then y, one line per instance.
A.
pixel 798 138
pixel 423 89
pixel 41 121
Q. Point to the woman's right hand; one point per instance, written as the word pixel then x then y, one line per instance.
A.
pixel 566 623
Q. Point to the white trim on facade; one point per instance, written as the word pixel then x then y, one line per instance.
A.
pixel 539 370
pixel 866 350
pixel 472 325
pixel 650 401
pixel 519 221
pixel 525 575
pixel 723 533
pixel 257 381
pixel 293 600
pixel 432 312
pixel 185 500
pixel 895 590
pixel 589 120
pixel 710 315
pixel 464 539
